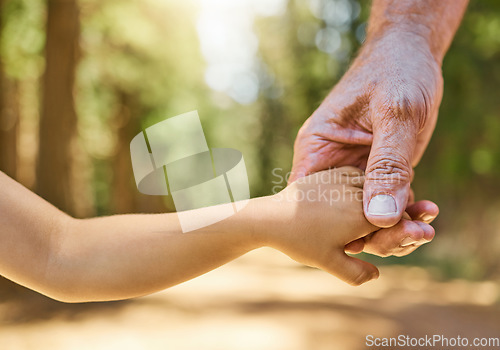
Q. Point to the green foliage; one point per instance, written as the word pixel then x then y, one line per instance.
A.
pixel 22 38
pixel 144 49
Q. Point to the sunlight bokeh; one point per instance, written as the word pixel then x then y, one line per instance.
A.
pixel 230 46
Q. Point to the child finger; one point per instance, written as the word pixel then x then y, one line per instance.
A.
pixel 355 247
pixel 352 270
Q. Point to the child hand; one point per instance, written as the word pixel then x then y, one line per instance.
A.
pixel 313 219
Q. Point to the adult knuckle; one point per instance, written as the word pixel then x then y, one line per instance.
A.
pixel 408 102
pixel 388 169
pixel 399 105
pixel 423 104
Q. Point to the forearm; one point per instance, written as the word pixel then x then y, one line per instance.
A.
pixel 433 22
pixel 29 229
pixel 126 256
pixel 113 257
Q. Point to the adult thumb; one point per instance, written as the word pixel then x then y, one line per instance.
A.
pixel 389 171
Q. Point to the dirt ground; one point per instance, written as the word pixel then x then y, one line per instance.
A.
pixel 262 301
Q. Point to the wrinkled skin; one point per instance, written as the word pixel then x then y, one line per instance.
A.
pixel 381 115
pixel 390 107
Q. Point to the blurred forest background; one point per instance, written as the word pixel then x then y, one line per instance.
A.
pixel 79 79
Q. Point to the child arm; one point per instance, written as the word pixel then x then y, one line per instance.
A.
pixel 108 258
pixel 125 256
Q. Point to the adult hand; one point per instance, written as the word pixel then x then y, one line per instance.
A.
pixel 379 117
pixel 382 113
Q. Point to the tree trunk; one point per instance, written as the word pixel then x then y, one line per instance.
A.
pixel 124 125
pixel 9 117
pixel 125 197
pixel 58 121
pixel 9 124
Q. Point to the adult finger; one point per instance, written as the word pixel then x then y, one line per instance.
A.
pixel 389 170
pixel 425 211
